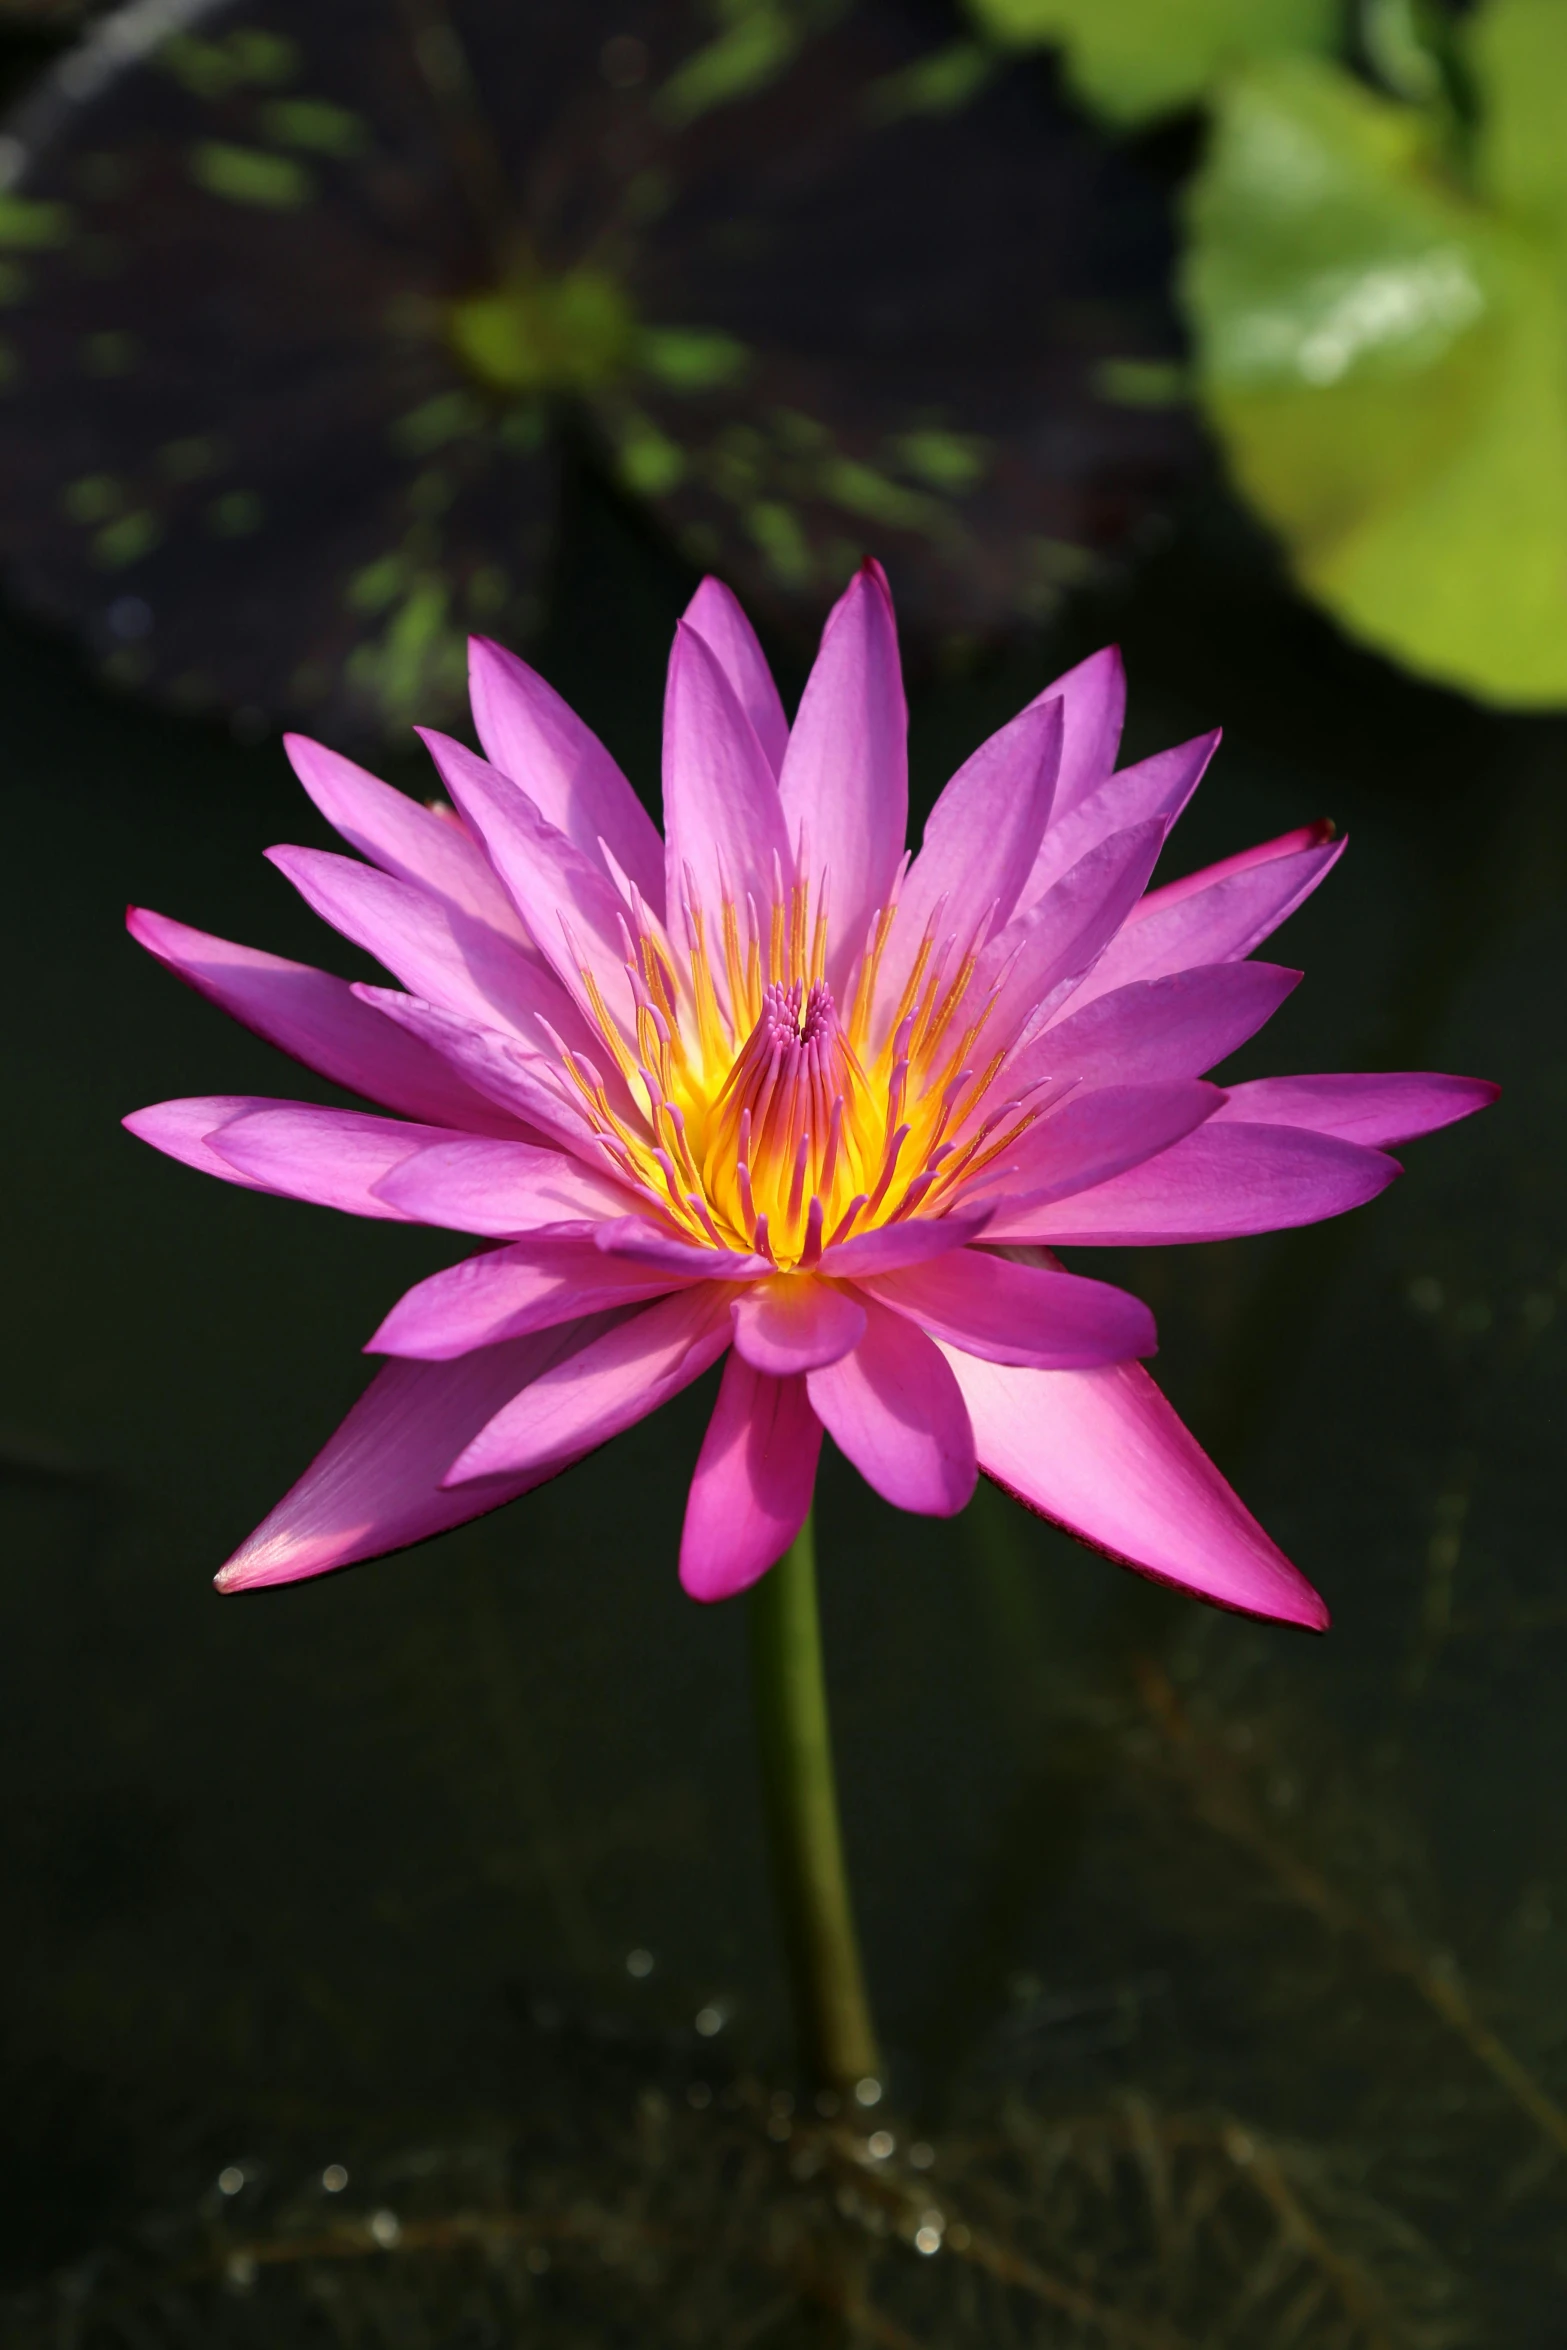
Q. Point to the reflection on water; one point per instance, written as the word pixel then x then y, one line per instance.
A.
pixel 393 1956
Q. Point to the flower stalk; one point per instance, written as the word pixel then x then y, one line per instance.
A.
pixel 837 2038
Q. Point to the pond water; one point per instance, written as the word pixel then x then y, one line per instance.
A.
pixel 1221 1969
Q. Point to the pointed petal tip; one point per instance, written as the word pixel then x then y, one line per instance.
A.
pixel 244 1571
pixel 149 929
pixel 869 578
pixel 482 650
pixel 252 1569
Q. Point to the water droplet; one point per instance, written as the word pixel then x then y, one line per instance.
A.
pixel 334 2178
pixel 386 2229
pixel 927 2240
pixel 709 2022
pixel 230 2179
pixel 868 2091
pixel 639 1964
pixel 880 2144
pixel 922 2154
pixel 239 2272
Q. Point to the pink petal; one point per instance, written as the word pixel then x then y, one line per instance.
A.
pixel 845 780
pixel 715 614
pixel 1093 697
pixel 533 1285
pixel 795 1323
pixel 1011 1313
pixel 636 1236
pixel 723 819
pixel 753 1483
pixel 1266 852
pixel 406 839
pixel 980 841
pixel 498 1066
pixel 1211 920
pixel 1039 959
pixel 609 1386
pixel 909 1242
pixel 1102 1454
pixel 1156 787
pixel 333 1158
pixel 1178 1026
pixel 572 911
pixel 895 1410
pixel 1368 1109
pixel 377 1486
pixel 499 1189
pixel 320 1021
pixel 1091 1137
pixel 441 955
pixel 1216 1184
pixel 181 1130
pixel 530 734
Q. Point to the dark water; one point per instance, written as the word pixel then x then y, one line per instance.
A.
pixel 1269 1931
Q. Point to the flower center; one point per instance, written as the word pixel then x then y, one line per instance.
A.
pixel 775 1136
pixel 756 1117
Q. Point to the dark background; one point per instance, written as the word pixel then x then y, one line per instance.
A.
pixel 304 1870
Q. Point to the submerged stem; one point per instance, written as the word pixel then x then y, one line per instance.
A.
pixel 832 2014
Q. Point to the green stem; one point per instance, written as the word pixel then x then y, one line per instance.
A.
pixel 837 2038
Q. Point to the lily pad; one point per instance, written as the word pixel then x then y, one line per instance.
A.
pixel 299 303
pixel 1133 59
pixel 1383 351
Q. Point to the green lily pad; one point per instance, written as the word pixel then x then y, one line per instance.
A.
pixel 1382 354
pixel 1517 53
pixel 1132 59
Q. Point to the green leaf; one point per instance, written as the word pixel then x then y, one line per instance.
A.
pixel 248 175
pixel 759 39
pixel 1131 59
pixel 25 221
pixel 568 333
pixel 1385 360
pixel 1518 57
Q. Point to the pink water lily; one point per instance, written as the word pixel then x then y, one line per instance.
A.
pixel 771 1090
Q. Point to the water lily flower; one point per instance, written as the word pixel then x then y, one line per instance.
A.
pixel 770 1090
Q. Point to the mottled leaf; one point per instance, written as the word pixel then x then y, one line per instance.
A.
pixel 296 300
